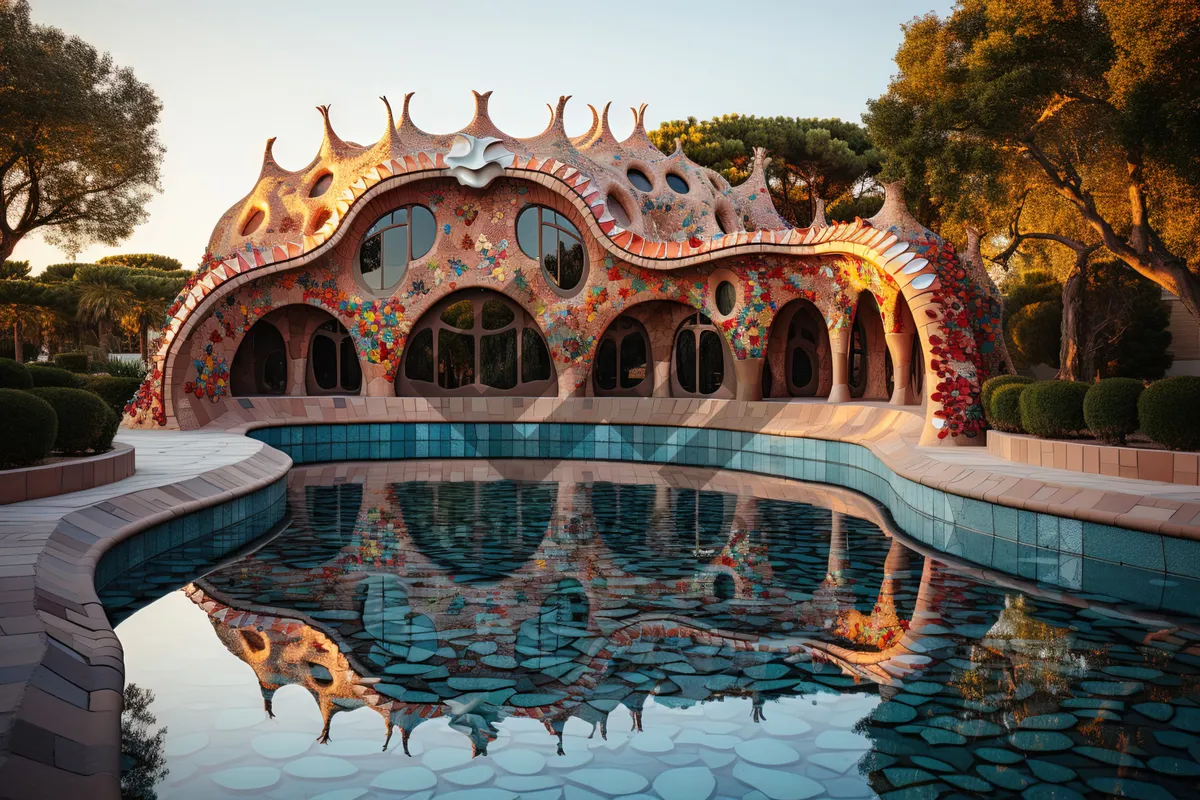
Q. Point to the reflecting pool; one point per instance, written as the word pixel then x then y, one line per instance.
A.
pixel 543 630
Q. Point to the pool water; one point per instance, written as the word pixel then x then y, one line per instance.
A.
pixel 591 630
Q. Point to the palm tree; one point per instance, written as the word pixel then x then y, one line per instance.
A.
pixel 104 296
pixel 149 296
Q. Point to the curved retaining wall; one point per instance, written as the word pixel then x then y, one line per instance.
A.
pixel 72 475
pixel 1070 553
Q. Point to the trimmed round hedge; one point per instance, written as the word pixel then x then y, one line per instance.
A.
pixel 1169 412
pixel 14 375
pixel 85 422
pixel 1110 408
pixel 75 362
pixel 988 391
pixel 28 426
pixel 1006 407
pixel 1054 409
pixel 53 376
pixel 115 391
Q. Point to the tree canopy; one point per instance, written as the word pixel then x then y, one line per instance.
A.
pixel 79 148
pixel 143 261
pixel 811 159
pixel 1090 106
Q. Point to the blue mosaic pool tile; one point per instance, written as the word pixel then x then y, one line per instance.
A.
pixel 1123 546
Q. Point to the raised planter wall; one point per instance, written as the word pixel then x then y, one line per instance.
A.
pixel 75 475
pixel 1097 459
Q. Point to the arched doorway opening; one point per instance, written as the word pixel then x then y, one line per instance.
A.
pixel 477 342
pixel 702 365
pixel 333 366
pixel 260 364
pixel 623 366
pixel 799 358
pixel 867 355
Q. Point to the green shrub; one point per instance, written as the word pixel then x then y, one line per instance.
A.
pixel 115 391
pixel 85 422
pixel 1169 412
pixel 1054 409
pixel 28 426
pixel 1110 409
pixel 75 362
pixel 1006 407
pixel 14 375
pixel 988 390
pixel 121 369
pixel 53 376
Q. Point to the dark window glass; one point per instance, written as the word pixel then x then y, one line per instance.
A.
pixel 456 359
pixel 712 362
pixel 555 243
pixel 685 359
pixel 461 315
pixel 418 364
pixel 857 377
pixel 605 369
pixel 677 183
pixel 768 381
pixel 633 359
pixel 802 367
pixel 322 184
pixel 324 362
pixel 351 372
pixel 639 180
pixel 535 358
pixel 916 377
pixel 724 587
pixel 393 241
pixel 498 360
pixel 275 373
pixel 496 315
pixel 726 297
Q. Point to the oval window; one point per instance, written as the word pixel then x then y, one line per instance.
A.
pixel 677 183
pixel 699 357
pixel 639 180
pixel 616 210
pixel 322 184
pixel 252 222
pixel 726 298
pixel 394 240
pixel 554 242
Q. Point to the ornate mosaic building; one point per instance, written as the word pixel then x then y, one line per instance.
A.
pixel 475 264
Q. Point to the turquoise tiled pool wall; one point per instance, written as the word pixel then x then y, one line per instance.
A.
pixel 1151 570
pixel 221 529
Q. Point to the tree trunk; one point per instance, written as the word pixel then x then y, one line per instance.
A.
pixel 1069 354
pixel 144 342
pixel 18 350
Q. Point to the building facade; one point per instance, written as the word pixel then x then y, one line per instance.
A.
pixel 476 264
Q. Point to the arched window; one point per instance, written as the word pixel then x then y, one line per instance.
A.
pixel 803 366
pixel 622 365
pixel 856 375
pixel 554 242
pixel 260 364
pixel 395 239
pixel 699 357
pixel 477 342
pixel 333 366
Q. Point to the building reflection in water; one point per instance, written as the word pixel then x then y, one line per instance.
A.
pixel 572 595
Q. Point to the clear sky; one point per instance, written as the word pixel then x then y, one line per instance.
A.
pixel 232 73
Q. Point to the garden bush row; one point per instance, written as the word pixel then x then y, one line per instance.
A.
pixel 46 410
pixel 1168 412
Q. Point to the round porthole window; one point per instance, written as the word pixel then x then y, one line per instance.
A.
pixel 252 222
pixel 639 180
pixel 726 298
pixel 677 183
